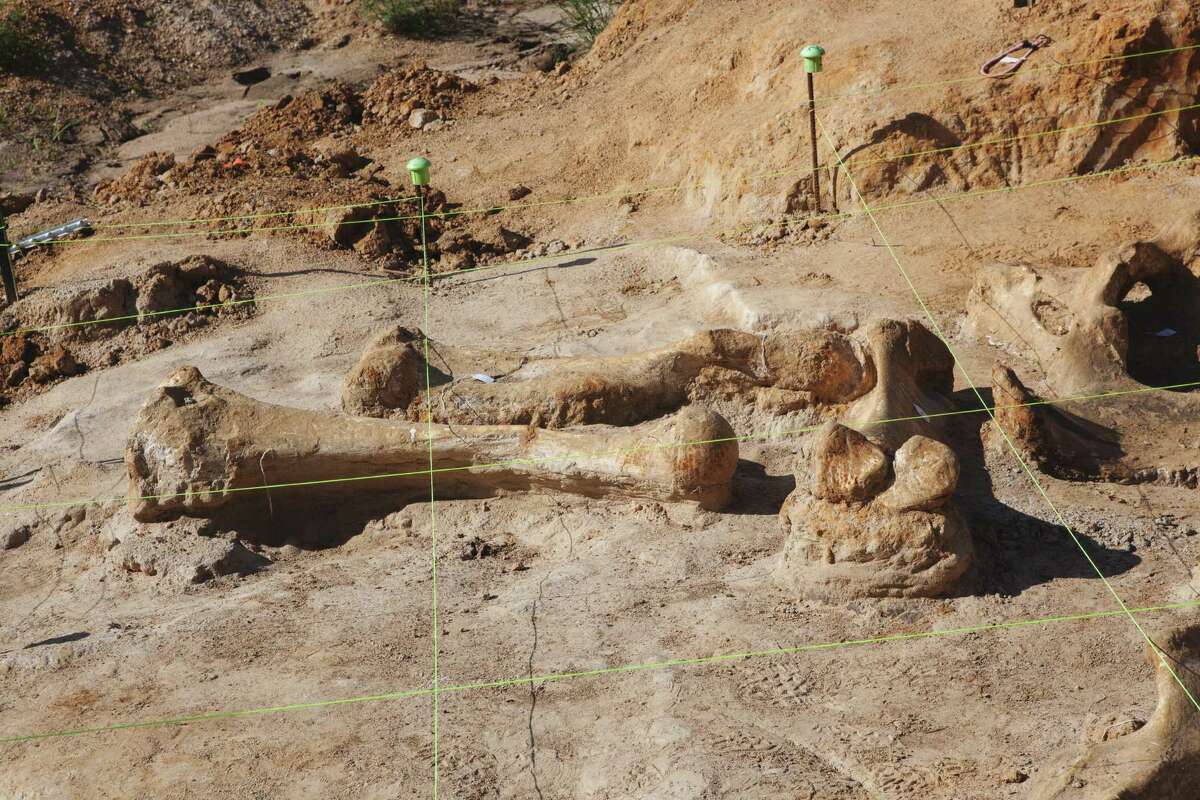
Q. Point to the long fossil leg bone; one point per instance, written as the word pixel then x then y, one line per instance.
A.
pixel 812 366
pixel 196 447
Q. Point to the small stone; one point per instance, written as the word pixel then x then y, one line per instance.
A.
pixel 421 117
pixel 1014 776
pixel 519 192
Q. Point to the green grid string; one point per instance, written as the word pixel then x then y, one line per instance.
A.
pixel 532 461
pixel 619 248
pixel 287 213
pixel 1037 484
pixel 596 673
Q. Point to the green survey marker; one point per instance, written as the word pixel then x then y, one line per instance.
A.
pixel 812 56
pixel 418 168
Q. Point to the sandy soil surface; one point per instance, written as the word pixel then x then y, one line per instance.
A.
pixel 594 647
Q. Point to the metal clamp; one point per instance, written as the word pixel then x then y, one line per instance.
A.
pixel 1013 62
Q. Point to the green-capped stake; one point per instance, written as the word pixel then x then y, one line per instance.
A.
pixel 418 168
pixel 812 57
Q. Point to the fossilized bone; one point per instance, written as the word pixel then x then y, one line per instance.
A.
pixel 1086 442
pixel 195 444
pixel 1058 443
pixel 863 524
pixel 914 377
pixel 798 367
pixel 1160 761
pixel 890 370
pixel 1074 326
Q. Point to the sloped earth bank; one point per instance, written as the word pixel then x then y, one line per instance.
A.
pixel 110 620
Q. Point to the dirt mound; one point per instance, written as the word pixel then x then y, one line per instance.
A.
pixel 163 44
pixel 179 554
pixel 398 93
pixel 293 122
pixel 313 146
pixel 741 99
pixel 144 181
pixel 96 59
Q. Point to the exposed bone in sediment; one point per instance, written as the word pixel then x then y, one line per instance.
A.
pixel 1055 441
pixel 1069 445
pixel 892 369
pixel 1161 760
pixel 388 375
pixel 790 369
pixel 861 524
pixel 194 442
pixel 1080 330
pixel 914 377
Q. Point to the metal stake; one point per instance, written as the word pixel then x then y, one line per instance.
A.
pixel 812 64
pixel 6 267
pixel 812 135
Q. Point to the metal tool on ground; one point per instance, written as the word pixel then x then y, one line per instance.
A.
pixel 812 56
pixel 1014 57
pixel 57 233
pixel 6 268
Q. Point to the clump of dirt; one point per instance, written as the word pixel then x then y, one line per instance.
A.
pixel 141 184
pixel 29 360
pixel 179 554
pixel 59 333
pixel 393 98
pixel 317 139
pixel 295 121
